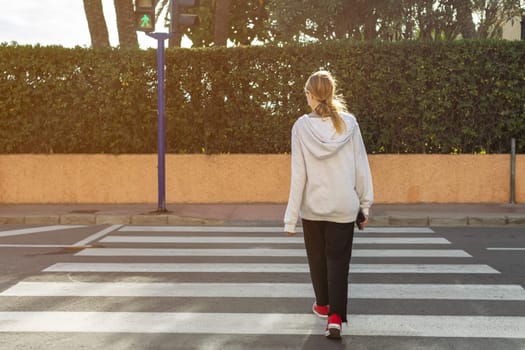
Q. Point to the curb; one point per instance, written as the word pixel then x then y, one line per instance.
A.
pixel 167 219
pixel 106 219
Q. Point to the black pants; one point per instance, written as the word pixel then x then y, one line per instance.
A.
pixel 329 249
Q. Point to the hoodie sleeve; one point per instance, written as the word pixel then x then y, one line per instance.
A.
pixel 363 177
pixel 297 184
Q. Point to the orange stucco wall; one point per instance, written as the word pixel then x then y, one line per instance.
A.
pixel 445 178
pixel 249 178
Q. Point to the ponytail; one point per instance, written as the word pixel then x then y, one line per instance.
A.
pixel 332 110
pixel 322 86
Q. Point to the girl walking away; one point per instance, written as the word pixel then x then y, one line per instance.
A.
pixel 330 185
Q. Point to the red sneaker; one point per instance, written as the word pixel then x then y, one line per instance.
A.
pixel 321 311
pixel 334 327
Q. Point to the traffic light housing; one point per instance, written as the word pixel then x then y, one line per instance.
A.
pixel 145 15
pixel 180 21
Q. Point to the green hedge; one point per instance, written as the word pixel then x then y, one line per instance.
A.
pixel 409 97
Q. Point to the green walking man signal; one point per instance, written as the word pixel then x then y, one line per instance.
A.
pixel 145 15
pixel 145 21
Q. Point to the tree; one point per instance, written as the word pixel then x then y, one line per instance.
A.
pixel 297 20
pixel 96 23
pixel 249 22
pixel 392 20
pixel 466 23
pixel 126 23
pixel 398 20
pixel 244 22
pixel 238 21
pixel 493 14
pixel 222 18
pixel 339 19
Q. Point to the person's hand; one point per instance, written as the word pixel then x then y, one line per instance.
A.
pixel 364 223
pixel 291 234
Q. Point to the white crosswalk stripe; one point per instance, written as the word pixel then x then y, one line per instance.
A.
pixel 265 290
pixel 190 255
pixel 268 240
pixel 261 323
pixel 421 253
pixel 254 229
pixel 265 268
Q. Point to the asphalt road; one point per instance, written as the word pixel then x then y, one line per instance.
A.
pixel 169 287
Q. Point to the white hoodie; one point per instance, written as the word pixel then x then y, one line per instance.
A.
pixel 331 177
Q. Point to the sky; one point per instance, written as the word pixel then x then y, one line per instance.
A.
pixel 56 22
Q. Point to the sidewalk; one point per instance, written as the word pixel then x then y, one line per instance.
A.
pixel 255 214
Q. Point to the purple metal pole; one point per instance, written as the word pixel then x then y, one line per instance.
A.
pixel 161 129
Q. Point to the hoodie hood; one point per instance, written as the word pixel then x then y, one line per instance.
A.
pixel 319 136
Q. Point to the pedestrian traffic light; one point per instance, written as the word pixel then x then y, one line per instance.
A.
pixel 180 21
pixel 145 15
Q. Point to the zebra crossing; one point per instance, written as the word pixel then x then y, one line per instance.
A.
pixel 195 268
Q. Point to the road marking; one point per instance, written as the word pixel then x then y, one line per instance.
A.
pixel 259 229
pixel 97 235
pixel 262 323
pixel 35 246
pixel 266 268
pixel 265 290
pixel 272 240
pixel 27 231
pixel 267 252
pixel 411 253
pixel 504 249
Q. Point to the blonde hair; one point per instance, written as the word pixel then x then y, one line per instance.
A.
pixel 323 88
